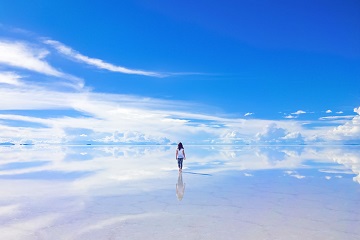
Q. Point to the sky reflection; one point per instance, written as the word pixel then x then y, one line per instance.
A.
pixel 84 190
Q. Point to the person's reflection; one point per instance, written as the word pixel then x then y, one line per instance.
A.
pixel 180 187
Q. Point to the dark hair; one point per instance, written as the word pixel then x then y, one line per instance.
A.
pixel 180 146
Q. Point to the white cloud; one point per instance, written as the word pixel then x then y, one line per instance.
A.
pixel 293 136
pixel 21 55
pixel 25 56
pixel 328 111
pixel 274 134
pixel 340 112
pixel 31 97
pixel 336 117
pixel 233 136
pixel 295 114
pixel 10 78
pixel 18 54
pixel 357 110
pixel 299 112
pixel 69 52
pixel 350 130
pixel 248 114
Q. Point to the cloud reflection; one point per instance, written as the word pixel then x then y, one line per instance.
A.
pixel 122 175
pixel 123 163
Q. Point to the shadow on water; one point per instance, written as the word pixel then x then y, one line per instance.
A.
pixel 204 174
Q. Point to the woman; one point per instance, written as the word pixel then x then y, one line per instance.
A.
pixel 180 155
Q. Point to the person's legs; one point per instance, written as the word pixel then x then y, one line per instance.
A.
pixel 180 163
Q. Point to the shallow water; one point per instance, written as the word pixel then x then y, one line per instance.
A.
pixel 136 192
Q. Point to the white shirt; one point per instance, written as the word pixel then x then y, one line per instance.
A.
pixel 180 153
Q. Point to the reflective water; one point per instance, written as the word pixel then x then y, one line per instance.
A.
pixel 136 192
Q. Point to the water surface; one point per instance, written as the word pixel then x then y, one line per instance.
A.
pixel 136 192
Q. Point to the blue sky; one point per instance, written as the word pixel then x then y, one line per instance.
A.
pixel 165 71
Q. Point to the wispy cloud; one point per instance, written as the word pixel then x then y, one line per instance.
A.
pixel 18 54
pixel 10 78
pixel 336 117
pixel 248 114
pixel 298 112
pixel 22 55
pixel 72 54
pixel 295 114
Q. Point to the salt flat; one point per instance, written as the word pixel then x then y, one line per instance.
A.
pixel 136 192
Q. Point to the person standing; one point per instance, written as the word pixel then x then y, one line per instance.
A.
pixel 180 155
